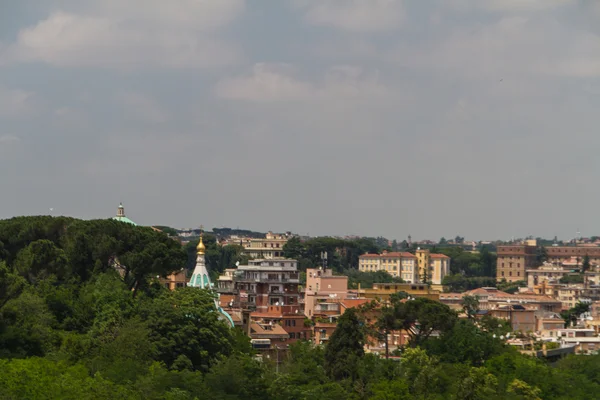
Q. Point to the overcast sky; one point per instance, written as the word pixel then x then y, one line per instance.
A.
pixel 373 117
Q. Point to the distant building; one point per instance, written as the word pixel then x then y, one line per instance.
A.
pixel 271 246
pixel 201 279
pixel 547 272
pixel 409 267
pixel 267 289
pixel 514 260
pixel 383 291
pixel 121 215
pixel 322 292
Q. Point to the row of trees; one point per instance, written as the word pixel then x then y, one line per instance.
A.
pixel 71 327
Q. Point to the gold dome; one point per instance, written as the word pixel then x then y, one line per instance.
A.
pixel 200 248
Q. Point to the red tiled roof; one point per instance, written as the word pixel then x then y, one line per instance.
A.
pixel 351 303
pixel 438 256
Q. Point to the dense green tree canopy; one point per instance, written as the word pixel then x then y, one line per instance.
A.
pixel 73 327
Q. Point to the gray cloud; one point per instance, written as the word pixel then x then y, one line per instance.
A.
pixel 432 118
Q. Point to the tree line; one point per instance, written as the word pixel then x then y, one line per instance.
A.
pixel 73 327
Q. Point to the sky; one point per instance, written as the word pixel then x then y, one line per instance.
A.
pixel 477 118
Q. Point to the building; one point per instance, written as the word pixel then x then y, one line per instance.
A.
pixel 514 260
pixel 411 268
pixel 547 272
pixel 401 265
pixel 432 267
pixel 560 254
pixel 175 280
pixel 383 291
pixel 322 290
pixel 271 246
pixel 268 290
pixel 201 279
pixel 121 215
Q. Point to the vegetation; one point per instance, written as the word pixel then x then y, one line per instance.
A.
pixel 82 316
pixel 572 278
pixel 367 279
pixel 572 314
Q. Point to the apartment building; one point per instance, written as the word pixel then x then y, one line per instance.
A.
pixel 410 267
pixel 547 272
pixel 269 247
pixel 514 260
pixel 322 292
pixel 560 254
pixel 268 290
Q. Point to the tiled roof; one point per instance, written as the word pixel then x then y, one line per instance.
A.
pixel 271 331
pixel 351 303
pixel 438 256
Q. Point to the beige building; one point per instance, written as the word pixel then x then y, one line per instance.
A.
pixel 514 260
pixel 271 246
pixel 547 272
pixel 432 267
pixel 409 267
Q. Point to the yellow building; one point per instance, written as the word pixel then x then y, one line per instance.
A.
pixel 432 267
pixel 412 268
pixel 400 265
pixel 383 291
pixel 271 246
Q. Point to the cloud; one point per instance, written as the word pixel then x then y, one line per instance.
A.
pixel 143 107
pixel 508 5
pixel 354 15
pixel 276 82
pixel 7 139
pixel 512 45
pixel 125 35
pixel 15 103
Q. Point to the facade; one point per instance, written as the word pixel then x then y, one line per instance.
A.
pixel 268 290
pixel 560 254
pixel 432 267
pixel 175 280
pixel 269 247
pixel 400 265
pixel 322 291
pixel 383 291
pixel 514 260
pixel 547 272
pixel 411 268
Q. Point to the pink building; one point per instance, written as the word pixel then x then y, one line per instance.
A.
pixel 323 291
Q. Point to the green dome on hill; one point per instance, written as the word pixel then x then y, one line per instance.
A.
pixel 121 215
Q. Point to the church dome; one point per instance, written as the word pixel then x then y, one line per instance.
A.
pixel 200 248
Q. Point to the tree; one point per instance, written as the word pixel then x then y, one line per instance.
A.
pixel 470 305
pixel 345 347
pixel 572 315
pixel 386 323
pixel 421 317
pixel 294 248
pixel 585 266
pixel 184 322
pixel 541 255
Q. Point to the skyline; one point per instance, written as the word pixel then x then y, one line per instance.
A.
pixel 330 117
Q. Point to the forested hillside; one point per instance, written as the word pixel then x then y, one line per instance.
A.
pixel 71 327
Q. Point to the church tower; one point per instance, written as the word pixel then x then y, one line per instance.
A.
pixel 200 276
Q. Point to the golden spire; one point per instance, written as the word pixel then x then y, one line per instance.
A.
pixel 200 249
